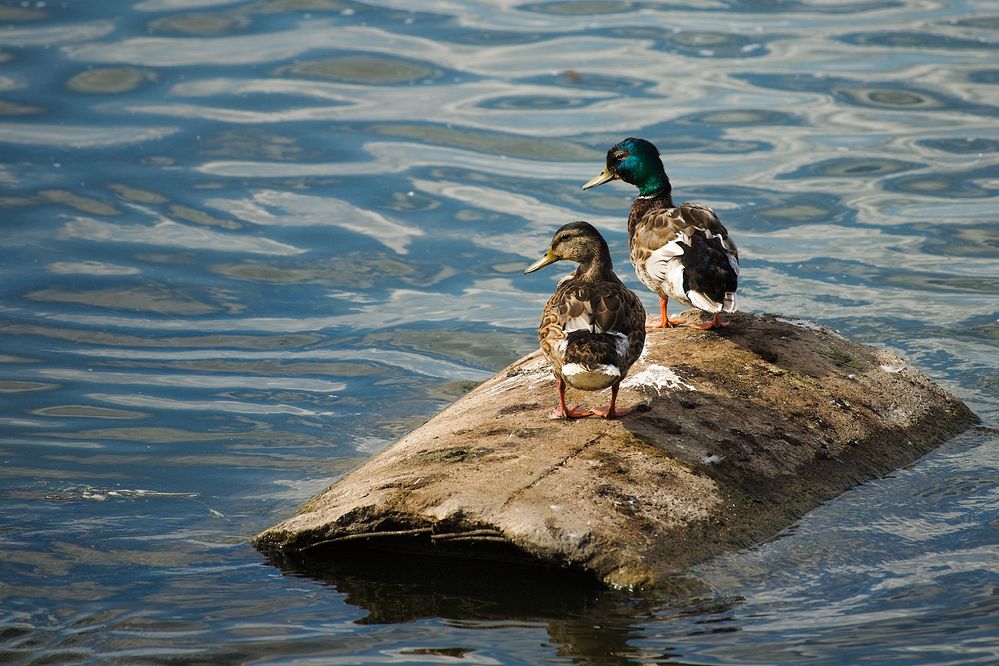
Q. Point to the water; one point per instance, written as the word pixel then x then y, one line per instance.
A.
pixel 247 244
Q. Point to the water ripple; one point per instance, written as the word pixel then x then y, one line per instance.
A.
pixel 247 243
pixel 270 207
pixel 166 232
pixel 79 136
pixel 206 382
pixel 56 34
pixel 418 363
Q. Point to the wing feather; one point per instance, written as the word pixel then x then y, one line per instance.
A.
pixel 685 253
pixel 598 307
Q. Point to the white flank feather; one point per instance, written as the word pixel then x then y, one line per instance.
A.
pixel 674 279
pixel 657 268
pixel 621 343
pixel 667 270
pixel 583 322
pixel 670 249
pixel 590 379
pixel 664 266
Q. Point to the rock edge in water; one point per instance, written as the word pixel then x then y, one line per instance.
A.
pixel 745 430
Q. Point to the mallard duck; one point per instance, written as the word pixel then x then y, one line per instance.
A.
pixel 681 252
pixel 593 327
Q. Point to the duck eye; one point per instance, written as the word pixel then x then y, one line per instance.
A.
pixel 620 155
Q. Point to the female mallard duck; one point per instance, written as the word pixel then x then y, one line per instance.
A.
pixel 593 327
pixel 681 252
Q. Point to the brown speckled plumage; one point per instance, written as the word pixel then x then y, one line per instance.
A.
pixel 682 252
pixel 610 306
pixel 654 222
pixel 593 327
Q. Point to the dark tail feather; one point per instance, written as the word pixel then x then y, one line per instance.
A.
pixel 591 349
pixel 709 272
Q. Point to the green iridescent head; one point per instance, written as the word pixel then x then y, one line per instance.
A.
pixel 635 161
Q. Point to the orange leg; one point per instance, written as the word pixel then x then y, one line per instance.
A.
pixel 612 412
pixel 664 320
pixel 715 322
pixel 564 412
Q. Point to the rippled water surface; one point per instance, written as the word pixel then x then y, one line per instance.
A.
pixel 246 244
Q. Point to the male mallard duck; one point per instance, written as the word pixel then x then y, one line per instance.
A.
pixel 681 252
pixel 593 327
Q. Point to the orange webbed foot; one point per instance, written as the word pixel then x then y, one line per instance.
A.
pixel 668 323
pixel 616 414
pixel 575 412
pixel 664 320
pixel 714 322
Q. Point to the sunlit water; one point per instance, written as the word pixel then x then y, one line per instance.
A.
pixel 247 244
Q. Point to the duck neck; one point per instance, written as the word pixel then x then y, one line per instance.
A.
pixel 644 204
pixel 596 269
pixel 656 185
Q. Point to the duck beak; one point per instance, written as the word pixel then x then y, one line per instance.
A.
pixel 549 258
pixel 600 179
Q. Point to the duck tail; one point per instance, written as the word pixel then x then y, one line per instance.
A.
pixel 702 301
pixel 592 360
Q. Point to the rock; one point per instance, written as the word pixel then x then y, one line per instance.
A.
pixel 743 431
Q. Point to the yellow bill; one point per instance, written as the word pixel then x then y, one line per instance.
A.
pixel 602 178
pixel 549 258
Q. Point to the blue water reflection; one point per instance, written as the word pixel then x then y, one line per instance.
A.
pixel 247 243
